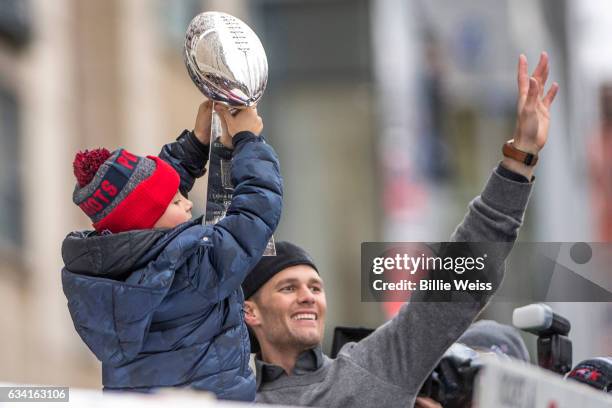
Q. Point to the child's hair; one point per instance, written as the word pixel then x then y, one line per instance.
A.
pixel 120 191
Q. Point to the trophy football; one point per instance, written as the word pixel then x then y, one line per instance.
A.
pixel 228 64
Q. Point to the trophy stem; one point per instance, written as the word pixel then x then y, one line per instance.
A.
pixel 211 139
pixel 219 189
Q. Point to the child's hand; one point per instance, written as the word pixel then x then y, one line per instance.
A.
pixel 201 130
pixel 225 139
pixel 245 120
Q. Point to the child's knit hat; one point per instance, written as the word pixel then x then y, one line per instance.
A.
pixel 120 191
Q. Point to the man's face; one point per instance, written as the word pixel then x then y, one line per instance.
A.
pixel 289 310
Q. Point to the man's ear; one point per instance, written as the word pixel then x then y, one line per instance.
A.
pixel 251 313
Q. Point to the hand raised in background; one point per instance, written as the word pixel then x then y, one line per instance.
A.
pixel 533 107
pixel 533 112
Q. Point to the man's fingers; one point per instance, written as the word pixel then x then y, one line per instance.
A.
pixel 522 76
pixel 550 95
pixel 532 95
pixel 541 71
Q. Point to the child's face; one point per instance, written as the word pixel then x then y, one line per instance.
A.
pixel 178 211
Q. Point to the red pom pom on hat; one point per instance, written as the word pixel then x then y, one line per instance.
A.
pixel 86 164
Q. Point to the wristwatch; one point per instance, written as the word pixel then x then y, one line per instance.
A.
pixel 528 159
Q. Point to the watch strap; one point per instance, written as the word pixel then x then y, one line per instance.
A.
pixel 528 159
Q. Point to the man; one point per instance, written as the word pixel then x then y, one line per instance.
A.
pixel 285 306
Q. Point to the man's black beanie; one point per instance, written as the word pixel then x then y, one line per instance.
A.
pixel 287 254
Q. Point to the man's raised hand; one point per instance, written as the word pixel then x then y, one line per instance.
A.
pixel 533 108
pixel 533 112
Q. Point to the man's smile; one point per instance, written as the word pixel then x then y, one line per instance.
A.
pixel 304 316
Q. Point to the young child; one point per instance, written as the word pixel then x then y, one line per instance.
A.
pixel 157 297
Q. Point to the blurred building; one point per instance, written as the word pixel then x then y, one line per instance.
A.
pixel 363 97
pixel 81 74
pixel 73 75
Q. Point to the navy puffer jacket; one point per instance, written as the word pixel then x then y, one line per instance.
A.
pixel 163 308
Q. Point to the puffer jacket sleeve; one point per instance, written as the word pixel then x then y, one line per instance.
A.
pixel 239 239
pixel 188 156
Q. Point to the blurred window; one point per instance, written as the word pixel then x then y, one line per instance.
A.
pixel 14 21
pixel 318 40
pixel 10 178
pixel 174 17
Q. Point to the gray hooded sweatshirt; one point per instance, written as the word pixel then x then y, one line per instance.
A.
pixel 388 368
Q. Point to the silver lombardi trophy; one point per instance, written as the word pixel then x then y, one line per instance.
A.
pixel 228 64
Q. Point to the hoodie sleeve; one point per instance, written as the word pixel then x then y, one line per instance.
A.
pixel 188 156
pixel 406 349
pixel 240 238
